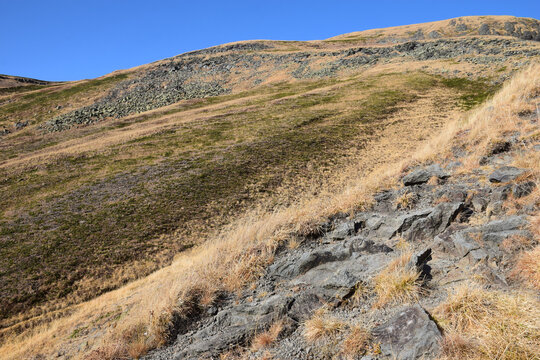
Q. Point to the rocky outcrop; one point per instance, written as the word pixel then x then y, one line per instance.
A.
pixel 329 270
pixel 212 72
pixel 409 335
pixel 423 175
pixel 505 174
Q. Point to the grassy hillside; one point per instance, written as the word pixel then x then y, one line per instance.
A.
pixel 79 219
pixel 105 181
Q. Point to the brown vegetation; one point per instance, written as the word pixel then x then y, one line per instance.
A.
pixel 484 324
pixel 323 325
pixel 239 252
pixel 398 282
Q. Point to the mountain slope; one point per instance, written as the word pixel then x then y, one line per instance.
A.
pixel 104 181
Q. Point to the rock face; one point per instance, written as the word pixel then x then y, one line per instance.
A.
pixel 423 175
pixel 331 270
pixel 210 72
pixel 409 335
pixel 505 174
pixel 235 326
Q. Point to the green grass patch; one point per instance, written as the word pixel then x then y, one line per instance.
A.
pixel 89 215
pixel 473 92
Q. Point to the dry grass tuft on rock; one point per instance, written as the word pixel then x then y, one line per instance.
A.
pixel 398 282
pixel 267 338
pixel 527 268
pixel 405 201
pixel 322 325
pixel 357 343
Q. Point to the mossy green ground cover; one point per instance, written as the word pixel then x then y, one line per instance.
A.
pixel 87 216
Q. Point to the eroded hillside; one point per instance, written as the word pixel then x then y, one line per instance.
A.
pixel 104 181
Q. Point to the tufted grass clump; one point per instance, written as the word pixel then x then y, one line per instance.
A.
pixel 489 324
pixel 267 338
pixel 357 343
pixel 405 201
pixel 322 325
pixel 527 268
pixel 397 283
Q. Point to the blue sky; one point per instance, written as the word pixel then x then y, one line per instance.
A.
pixel 76 39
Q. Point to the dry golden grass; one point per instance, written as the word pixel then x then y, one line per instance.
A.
pixel 455 346
pixel 499 115
pixel 472 22
pixel 487 324
pixel 405 201
pixel 442 199
pixel 322 325
pixel 527 268
pixel 359 295
pixel 515 243
pixel 267 338
pixel 434 180
pixel 402 244
pixel 397 282
pixel 357 343
pixel 225 262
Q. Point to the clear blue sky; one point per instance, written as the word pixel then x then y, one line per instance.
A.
pixel 76 39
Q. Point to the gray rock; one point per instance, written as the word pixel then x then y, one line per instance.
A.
pixel 509 223
pixel 423 175
pixel 462 27
pixel 505 174
pixel 21 124
pixel 234 326
pixel 482 242
pixel 484 30
pixel 304 305
pixel 383 196
pixel 463 244
pixel 523 189
pixel 509 27
pixel 435 223
pixel 479 204
pixel 501 193
pixel 411 334
pixel 335 279
pixel 386 227
pixel 370 247
pixel 293 266
pixel 341 231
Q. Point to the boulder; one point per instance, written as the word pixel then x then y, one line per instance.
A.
pixel 523 189
pixel 484 30
pixel 411 334
pixel 505 174
pixel 423 175
pixel 291 266
pixel 342 231
pixel 304 305
pixel 435 223
pixel 235 326
pixel 385 227
pixel 334 280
